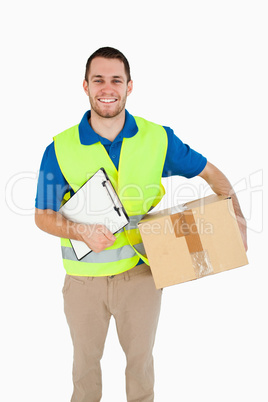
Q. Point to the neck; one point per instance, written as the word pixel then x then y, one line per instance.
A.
pixel 107 127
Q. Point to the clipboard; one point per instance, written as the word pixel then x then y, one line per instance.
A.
pixel 96 202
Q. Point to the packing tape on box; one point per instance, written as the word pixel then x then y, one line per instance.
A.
pixel 184 225
pixel 201 263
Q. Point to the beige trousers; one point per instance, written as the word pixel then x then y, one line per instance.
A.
pixel 132 299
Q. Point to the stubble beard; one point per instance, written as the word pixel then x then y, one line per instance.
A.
pixel 121 103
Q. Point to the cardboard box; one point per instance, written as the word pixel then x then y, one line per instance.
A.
pixel 192 240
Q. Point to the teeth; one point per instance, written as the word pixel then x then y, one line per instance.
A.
pixel 107 100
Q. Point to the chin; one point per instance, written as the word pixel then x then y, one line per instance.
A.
pixel 108 114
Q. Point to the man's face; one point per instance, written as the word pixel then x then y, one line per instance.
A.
pixel 107 87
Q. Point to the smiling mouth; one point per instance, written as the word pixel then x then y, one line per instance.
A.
pixel 107 100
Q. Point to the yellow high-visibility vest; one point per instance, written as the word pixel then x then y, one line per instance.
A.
pixel 137 183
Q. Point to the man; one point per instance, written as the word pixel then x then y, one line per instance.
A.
pixel 113 279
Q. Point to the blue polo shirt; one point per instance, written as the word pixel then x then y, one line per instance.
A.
pixel 180 160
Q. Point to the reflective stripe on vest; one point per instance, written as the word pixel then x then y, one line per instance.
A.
pixel 137 182
pixel 105 256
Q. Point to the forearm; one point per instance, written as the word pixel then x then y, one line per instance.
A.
pixel 54 223
pixel 221 185
pixel 98 237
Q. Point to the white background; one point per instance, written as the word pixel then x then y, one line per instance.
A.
pixel 199 67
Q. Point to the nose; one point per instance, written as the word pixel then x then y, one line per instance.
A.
pixel 107 88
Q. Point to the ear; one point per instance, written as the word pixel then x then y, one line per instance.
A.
pixel 85 86
pixel 129 87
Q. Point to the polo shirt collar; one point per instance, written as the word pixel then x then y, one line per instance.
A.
pixel 88 136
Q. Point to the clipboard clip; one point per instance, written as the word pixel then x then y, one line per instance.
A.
pixel 115 207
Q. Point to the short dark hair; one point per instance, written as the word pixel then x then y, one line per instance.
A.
pixel 108 53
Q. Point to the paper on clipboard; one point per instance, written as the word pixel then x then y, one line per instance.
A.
pixel 96 202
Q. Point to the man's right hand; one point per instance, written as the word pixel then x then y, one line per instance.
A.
pixel 96 237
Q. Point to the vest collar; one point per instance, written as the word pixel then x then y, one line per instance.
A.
pixel 89 137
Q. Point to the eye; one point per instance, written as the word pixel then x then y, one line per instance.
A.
pixel 117 81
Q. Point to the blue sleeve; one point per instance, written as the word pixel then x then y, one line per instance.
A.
pixel 181 160
pixel 51 185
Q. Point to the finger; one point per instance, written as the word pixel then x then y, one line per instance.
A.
pixel 108 233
